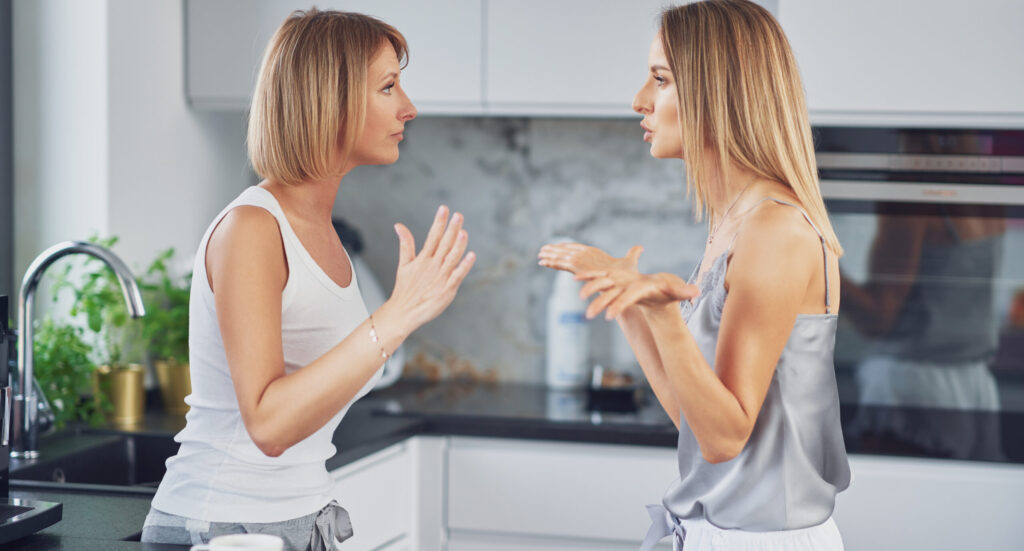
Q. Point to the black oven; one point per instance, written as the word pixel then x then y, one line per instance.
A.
pixel 930 349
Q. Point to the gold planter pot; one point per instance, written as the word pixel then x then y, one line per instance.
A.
pixel 175 384
pixel 125 386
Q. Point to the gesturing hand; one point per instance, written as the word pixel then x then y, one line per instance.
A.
pixel 576 258
pixel 622 289
pixel 426 283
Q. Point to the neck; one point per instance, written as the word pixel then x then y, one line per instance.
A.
pixel 724 192
pixel 310 200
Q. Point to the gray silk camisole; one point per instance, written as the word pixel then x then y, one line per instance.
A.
pixel 794 464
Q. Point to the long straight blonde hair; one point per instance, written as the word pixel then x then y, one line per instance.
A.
pixel 309 104
pixel 740 93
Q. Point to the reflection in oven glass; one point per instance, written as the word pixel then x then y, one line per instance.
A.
pixel 928 298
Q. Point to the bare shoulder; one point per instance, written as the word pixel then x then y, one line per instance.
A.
pixel 248 238
pixel 776 242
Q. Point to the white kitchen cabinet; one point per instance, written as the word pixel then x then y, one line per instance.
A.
pixel 377 491
pixel 506 495
pixel 567 57
pixel 911 62
pixel 898 503
pixel 225 40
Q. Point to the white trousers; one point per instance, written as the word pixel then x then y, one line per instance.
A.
pixel 701 535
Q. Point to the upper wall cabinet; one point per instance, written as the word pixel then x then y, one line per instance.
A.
pixel 567 57
pixel 910 62
pixel 225 40
pixel 468 57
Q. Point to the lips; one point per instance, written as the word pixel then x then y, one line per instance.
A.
pixel 647 132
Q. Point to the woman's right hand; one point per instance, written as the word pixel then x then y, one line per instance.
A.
pixel 426 283
pixel 577 258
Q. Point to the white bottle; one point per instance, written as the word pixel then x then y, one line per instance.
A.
pixel 567 337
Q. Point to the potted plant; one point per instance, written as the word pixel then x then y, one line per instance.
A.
pixel 97 298
pixel 65 373
pixel 165 331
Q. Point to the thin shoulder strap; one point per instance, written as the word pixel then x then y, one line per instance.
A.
pixel 824 249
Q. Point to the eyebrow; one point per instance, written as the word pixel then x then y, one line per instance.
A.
pixel 659 68
pixel 389 76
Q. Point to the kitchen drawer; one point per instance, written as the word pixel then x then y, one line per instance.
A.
pixel 554 489
pixel 494 542
pixel 377 493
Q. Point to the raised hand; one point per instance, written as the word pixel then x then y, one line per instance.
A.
pixel 576 258
pixel 426 283
pixel 622 289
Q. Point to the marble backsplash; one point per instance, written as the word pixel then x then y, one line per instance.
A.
pixel 520 182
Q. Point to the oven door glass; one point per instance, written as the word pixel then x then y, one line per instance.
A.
pixel 930 348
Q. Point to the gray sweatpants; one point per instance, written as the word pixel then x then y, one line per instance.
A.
pixel 306 533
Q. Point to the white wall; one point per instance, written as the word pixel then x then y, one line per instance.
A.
pixel 172 169
pixel 60 124
pixel 104 140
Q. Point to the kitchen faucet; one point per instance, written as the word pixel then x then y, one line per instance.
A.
pixel 25 427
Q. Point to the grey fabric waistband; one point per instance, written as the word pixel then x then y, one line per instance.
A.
pixel 663 524
pixel 332 524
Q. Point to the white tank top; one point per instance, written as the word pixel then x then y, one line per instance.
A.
pixel 218 474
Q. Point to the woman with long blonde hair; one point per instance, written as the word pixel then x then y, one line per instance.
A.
pixel 741 355
pixel 280 341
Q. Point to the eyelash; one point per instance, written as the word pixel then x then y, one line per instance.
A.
pixel 661 81
pixel 387 89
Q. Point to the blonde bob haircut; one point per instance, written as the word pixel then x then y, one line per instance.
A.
pixel 740 93
pixel 309 105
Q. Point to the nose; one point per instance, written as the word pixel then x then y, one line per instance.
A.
pixel 641 103
pixel 408 111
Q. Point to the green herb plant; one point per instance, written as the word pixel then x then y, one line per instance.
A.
pixel 165 326
pixel 97 298
pixel 64 372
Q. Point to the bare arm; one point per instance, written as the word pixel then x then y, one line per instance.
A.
pixel 721 402
pixel 247 268
pixel 637 330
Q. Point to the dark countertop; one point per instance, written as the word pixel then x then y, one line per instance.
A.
pixel 100 517
pixel 94 517
pixel 523 411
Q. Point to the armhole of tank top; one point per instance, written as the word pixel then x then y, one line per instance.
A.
pixel 807 218
pixel 286 290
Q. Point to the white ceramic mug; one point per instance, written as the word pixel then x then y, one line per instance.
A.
pixel 242 542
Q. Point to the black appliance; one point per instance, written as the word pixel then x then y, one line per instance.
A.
pixel 18 517
pixel 930 345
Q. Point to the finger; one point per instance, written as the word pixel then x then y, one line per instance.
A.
pixel 406 244
pixel 460 271
pixel 634 254
pixel 629 297
pixel 594 286
pixel 553 252
pixel 449 236
pixel 602 302
pixel 453 256
pixel 436 229
pixel 590 274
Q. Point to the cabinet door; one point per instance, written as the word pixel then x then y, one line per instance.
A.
pixel 911 62
pixel 567 57
pixel 377 493
pixel 577 492
pixel 225 40
pixel 494 542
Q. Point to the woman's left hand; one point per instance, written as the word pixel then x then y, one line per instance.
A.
pixel 621 289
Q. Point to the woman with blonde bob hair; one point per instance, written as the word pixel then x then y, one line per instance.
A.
pixel 280 341
pixel 741 355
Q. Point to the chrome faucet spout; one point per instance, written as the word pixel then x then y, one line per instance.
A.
pixel 25 433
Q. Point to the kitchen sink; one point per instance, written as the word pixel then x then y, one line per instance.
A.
pixel 97 458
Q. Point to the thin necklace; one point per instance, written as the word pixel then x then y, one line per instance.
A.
pixel 714 230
